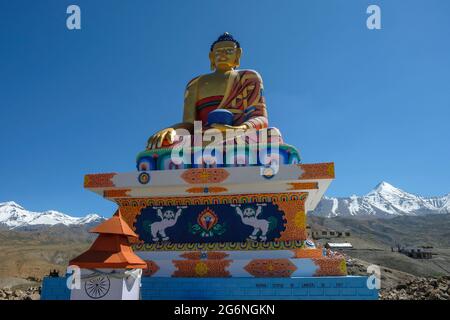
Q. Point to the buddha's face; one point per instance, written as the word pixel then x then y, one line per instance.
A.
pixel 225 55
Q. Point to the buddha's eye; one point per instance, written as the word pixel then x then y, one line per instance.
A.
pixel 224 51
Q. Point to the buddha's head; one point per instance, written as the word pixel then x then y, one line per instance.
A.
pixel 225 53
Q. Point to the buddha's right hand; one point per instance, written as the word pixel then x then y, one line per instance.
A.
pixel 157 140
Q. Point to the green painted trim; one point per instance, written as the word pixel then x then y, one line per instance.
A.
pixel 229 246
pixel 163 151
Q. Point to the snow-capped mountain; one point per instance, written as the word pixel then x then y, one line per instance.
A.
pixel 383 201
pixel 12 215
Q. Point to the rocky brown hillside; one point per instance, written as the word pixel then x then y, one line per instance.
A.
pixel 398 285
pixel 408 230
pixel 419 289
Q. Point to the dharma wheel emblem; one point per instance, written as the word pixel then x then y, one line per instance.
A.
pixel 97 287
pixel 144 178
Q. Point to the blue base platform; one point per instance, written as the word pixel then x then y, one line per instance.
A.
pixel 302 288
pixel 55 288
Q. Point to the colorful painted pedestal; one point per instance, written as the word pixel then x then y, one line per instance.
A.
pixel 228 233
pixel 217 208
pixel 223 222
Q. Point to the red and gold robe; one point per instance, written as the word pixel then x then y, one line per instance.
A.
pixel 243 97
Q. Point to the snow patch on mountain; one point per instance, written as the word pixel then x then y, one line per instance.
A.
pixel 14 215
pixel 384 200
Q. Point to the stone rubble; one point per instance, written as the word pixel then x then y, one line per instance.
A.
pixel 411 288
pixel 31 293
pixel 419 289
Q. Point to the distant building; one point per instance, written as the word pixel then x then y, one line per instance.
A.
pixel 418 252
pixel 327 233
pixel 338 246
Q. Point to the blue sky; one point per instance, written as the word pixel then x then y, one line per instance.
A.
pixel 376 102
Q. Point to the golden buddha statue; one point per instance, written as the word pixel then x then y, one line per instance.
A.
pixel 237 91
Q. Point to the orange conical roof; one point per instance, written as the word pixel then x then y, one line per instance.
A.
pixel 114 225
pixel 109 252
pixel 112 248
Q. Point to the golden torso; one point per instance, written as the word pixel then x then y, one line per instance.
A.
pixel 208 85
pixel 213 84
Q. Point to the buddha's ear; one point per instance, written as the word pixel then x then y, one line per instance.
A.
pixel 211 60
pixel 238 57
